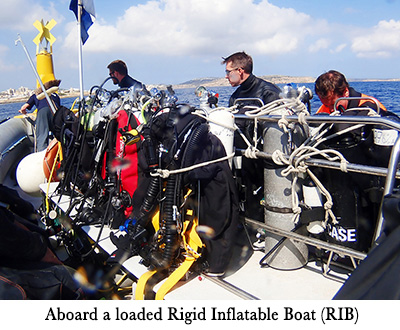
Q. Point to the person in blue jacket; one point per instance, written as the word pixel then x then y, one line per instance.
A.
pixel 44 117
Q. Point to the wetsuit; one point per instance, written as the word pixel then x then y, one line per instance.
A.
pixel 128 81
pixel 251 172
pixel 355 103
pixel 255 87
pixel 44 118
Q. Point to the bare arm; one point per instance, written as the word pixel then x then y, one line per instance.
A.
pixel 23 108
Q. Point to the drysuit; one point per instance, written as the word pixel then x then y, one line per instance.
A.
pixel 128 82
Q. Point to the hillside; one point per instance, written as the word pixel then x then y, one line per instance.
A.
pixel 22 94
pixel 218 82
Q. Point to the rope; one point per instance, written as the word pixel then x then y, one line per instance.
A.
pixel 163 173
pixel 296 165
pixel 251 152
pixel 283 124
pixel 280 104
pixel 339 133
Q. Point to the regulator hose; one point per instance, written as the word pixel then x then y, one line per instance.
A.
pixel 165 260
pixel 161 261
pixel 149 201
pixel 197 139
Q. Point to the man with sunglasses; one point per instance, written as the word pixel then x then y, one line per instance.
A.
pixel 239 72
pixel 119 74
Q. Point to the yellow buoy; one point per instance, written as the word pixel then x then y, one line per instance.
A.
pixel 44 58
pixel 44 65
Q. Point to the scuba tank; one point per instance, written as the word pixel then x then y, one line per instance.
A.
pixel 284 253
pixel 221 121
pixel 223 133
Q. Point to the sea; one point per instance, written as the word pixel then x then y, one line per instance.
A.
pixel 385 91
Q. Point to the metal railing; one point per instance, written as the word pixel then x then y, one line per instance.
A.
pixel 391 173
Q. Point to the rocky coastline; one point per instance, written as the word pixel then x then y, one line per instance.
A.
pixel 222 82
pixel 22 94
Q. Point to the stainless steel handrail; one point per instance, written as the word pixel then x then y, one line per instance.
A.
pixel 389 185
pixel 378 108
pixel 391 173
pixel 320 119
pixel 342 250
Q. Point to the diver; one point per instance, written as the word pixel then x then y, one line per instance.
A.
pixel 238 71
pixel 44 117
pixel 119 74
pixel 333 85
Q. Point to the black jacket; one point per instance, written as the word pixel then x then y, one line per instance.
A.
pixel 255 87
pixel 128 81
pixel 362 103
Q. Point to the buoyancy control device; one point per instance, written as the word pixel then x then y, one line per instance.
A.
pixel 173 142
pixel 357 197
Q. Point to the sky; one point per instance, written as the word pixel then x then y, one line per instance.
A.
pixel 173 41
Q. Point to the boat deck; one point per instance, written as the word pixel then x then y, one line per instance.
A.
pixel 245 278
pixel 248 281
pixel 253 282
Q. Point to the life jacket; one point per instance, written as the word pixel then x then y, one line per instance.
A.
pixel 324 109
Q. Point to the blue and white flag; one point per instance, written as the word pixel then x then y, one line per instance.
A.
pixel 86 19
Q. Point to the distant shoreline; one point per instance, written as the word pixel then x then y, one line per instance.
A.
pixel 20 99
pixel 276 79
pixel 208 82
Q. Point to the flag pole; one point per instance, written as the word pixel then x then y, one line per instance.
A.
pixel 80 49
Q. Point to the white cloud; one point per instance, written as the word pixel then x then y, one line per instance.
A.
pixel 338 48
pixel 200 28
pixel 320 44
pixel 19 15
pixel 383 40
pixel 5 66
